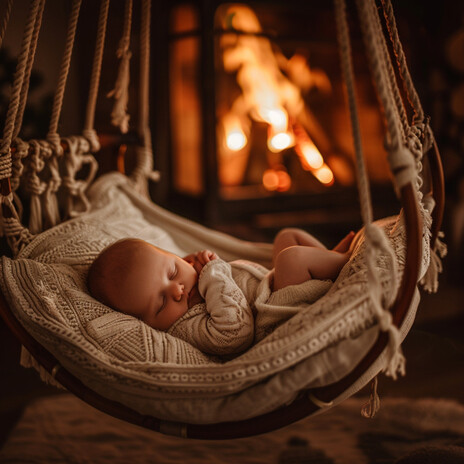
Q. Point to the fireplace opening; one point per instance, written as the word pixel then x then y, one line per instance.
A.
pixel 254 105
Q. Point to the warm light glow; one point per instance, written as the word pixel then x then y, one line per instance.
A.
pixel 270 180
pixel 276 117
pixel 280 141
pixel 236 140
pixel 276 180
pixel 311 155
pixel 272 93
pixel 324 175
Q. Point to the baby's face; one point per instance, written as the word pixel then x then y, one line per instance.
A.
pixel 159 286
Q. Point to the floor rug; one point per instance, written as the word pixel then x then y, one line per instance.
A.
pixel 63 429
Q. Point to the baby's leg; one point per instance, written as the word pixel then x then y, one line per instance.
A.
pixel 297 264
pixel 290 237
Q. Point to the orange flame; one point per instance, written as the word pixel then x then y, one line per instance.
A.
pixel 268 95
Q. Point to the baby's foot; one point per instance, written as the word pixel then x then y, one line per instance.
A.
pixel 344 245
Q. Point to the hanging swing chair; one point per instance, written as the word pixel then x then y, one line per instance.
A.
pixel 332 344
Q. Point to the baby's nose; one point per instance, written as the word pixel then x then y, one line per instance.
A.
pixel 178 291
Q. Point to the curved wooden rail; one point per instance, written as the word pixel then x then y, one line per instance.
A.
pixel 298 409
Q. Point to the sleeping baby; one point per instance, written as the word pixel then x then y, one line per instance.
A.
pixel 201 298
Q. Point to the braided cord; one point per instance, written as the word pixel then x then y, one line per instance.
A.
pixel 52 135
pixel 375 54
pixel 376 241
pixel 390 72
pixel 5 20
pixel 144 69
pixel 344 46
pixel 410 90
pixel 125 39
pixel 27 76
pixel 120 93
pixel 16 91
pixel 144 164
pixel 89 130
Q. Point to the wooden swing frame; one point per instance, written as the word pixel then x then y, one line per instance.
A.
pixel 307 401
pixel 302 406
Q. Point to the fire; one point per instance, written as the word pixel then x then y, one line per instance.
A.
pixel 236 139
pixel 269 96
pixel 324 175
pixel 280 141
pixel 277 179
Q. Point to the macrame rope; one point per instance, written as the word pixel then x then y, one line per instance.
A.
pixel 401 161
pixel 344 45
pixel 27 74
pixel 421 133
pixel 5 152
pixel 376 241
pixel 89 131
pixel 35 186
pixel 52 135
pixel 411 93
pixel 5 19
pixel 393 83
pixel 144 160
pixel 119 116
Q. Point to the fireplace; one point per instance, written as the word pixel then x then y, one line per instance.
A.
pixel 249 115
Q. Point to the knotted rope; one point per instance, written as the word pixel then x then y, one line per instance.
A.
pixel 376 241
pixel 28 70
pixel 402 163
pixel 119 115
pixel 144 160
pixel 422 132
pixel 75 157
pixel 89 130
pixel 5 19
pixel 52 135
pixel 11 224
pixel 35 186
pixel 409 88
pixel 5 165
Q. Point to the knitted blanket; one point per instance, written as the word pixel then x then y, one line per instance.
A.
pixel 155 373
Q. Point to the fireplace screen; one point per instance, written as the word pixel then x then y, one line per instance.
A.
pixel 256 102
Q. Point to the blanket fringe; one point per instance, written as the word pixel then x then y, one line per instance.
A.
pixel 430 280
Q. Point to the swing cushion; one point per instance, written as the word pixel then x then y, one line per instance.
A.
pixel 154 373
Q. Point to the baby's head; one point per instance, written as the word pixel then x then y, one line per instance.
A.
pixel 136 278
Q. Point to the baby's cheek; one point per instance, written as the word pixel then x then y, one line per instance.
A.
pixel 195 298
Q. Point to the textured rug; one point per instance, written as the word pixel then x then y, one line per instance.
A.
pixel 63 429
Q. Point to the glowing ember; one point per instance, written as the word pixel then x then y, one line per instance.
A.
pixel 236 140
pixel 312 157
pixel 276 117
pixel 280 141
pixel 276 180
pixel 324 175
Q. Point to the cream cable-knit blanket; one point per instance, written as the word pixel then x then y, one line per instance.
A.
pixel 155 373
pixel 235 292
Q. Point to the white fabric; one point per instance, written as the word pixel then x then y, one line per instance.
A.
pixel 155 373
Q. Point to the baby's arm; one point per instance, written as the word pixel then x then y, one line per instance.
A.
pixel 229 326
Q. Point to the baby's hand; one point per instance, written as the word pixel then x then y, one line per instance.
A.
pixel 202 258
pixel 199 259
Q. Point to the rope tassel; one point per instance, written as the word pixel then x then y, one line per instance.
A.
pixel 119 116
pixel 430 279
